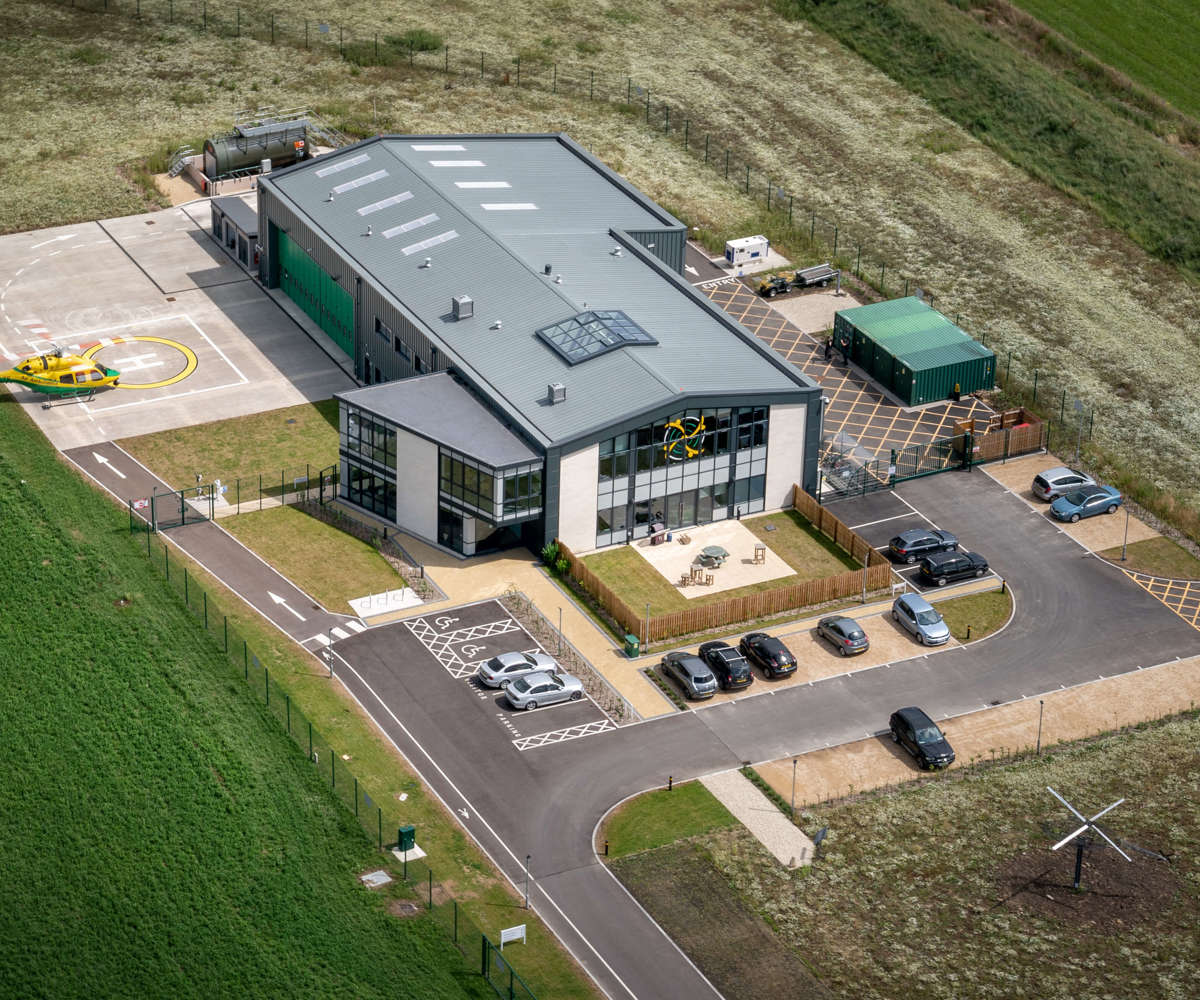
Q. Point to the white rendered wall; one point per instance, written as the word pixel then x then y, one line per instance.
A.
pixel 785 453
pixel 578 474
pixel 416 485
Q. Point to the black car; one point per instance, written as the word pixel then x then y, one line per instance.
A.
pixel 845 633
pixel 943 566
pixel 732 669
pixel 915 543
pixel 767 653
pixel 692 673
pixel 920 736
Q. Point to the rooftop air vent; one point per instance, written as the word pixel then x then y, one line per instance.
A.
pixel 547 270
pixel 557 392
pixel 462 306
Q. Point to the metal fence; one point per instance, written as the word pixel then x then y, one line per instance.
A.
pixel 378 817
pixel 238 494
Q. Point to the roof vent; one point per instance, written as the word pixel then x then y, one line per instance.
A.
pixel 558 279
pixel 462 306
pixel 547 270
pixel 617 252
pixel 557 392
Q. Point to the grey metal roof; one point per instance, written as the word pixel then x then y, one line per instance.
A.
pixel 560 207
pixel 243 215
pixel 437 407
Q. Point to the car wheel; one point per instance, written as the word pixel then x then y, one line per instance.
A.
pixel 842 650
pixel 895 617
pixel 576 695
pixel 1112 509
pixel 1074 518
pixel 921 638
pixel 531 704
pixel 895 737
pixel 980 572
pixel 941 581
pixel 910 559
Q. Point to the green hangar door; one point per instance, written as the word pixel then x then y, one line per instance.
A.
pixel 329 305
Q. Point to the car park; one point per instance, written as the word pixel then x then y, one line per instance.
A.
pixel 691 673
pixel 916 543
pixel 921 619
pixel 767 653
pixel 942 567
pixel 921 737
pixel 1085 502
pixel 540 689
pixel 846 634
pixel 732 669
pixel 500 670
pixel 1053 483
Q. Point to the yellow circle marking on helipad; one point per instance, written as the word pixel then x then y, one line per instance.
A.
pixel 187 369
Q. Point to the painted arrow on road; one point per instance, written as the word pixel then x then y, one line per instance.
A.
pixel 279 600
pixel 464 814
pixel 690 269
pixel 69 236
pixel 104 461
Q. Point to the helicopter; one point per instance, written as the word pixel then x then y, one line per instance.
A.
pixel 58 374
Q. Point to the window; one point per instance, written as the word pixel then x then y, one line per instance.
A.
pixel 401 349
pixel 382 329
pixel 592 333
pixel 418 365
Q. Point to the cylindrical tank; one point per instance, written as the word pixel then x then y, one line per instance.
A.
pixel 281 144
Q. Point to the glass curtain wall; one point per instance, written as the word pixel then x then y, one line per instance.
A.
pixel 497 496
pixel 694 467
pixel 368 448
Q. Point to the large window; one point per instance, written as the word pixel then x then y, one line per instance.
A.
pixel 368 446
pixel 513 493
pixel 369 438
pixel 692 467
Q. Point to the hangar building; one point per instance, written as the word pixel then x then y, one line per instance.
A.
pixel 533 364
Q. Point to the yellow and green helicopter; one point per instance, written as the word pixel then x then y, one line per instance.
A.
pixel 58 374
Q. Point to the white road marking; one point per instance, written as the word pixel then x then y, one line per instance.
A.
pixel 882 520
pixel 104 461
pixel 279 600
pixel 338 633
pixel 54 239
pixel 355 624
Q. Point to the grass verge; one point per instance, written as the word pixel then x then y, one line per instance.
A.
pixel 984 613
pixel 662 817
pixel 1158 557
pixel 257 444
pixel 327 564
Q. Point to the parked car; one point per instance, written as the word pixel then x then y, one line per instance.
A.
pixel 499 670
pixel 914 543
pixel 845 633
pixel 732 669
pixel 1086 501
pixel 941 567
pixel 1053 483
pixel 767 653
pixel 920 618
pixel 921 737
pixel 537 689
pixel 691 673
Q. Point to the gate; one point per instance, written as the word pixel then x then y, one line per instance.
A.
pixel 328 480
pixel 843 476
pixel 174 508
pixel 931 458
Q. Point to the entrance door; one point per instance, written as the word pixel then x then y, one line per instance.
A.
pixel 450 529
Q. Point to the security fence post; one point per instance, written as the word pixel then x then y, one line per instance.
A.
pixel 204 594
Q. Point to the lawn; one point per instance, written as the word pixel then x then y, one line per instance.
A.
pixel 327 564
pixel 1158 557
pixel 662 817
pixel 946 889
pixel 162 835
pixel 1049 283
pixel 294 438
pixel 806 550
pixel 1154 44
pixel 984 613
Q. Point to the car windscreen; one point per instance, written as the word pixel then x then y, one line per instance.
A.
pixel 855 634
pixel 1041 482
pixel 520 685
pixel 702 678
pixel 929 734
pixel 1076 499
pixel 929 617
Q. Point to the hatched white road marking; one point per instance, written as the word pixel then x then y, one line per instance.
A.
pixel 562 735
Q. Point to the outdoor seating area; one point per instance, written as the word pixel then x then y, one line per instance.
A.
pixel 712 558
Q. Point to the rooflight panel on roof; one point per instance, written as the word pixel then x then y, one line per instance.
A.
pixel 590 334
pixel 457 163
pixel 433 241
pixel 508 206
pixel 395 199
pixel 335 168
pixel 359 182
pixel 438 147
pixel 482 184
pixel 408 227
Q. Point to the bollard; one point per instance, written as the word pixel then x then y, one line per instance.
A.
pixel 670 782
pixel 606 847
pixel 968 633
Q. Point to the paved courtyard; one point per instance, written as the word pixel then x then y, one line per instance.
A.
pixel 676 558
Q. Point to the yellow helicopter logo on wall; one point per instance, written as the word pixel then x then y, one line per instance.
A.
pixel 684 438
pixel 58 374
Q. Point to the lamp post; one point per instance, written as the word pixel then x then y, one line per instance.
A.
pixel 527 857
pixel 560 631
pixel 1125 541
pixel 821 440
pixel 795 761
pixel 1041 708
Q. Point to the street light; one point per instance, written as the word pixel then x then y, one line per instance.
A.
pixel 795 761
pixel 527 857
pixel 1125 541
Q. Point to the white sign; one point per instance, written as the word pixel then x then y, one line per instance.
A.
pixel 141 504
pixel 510 934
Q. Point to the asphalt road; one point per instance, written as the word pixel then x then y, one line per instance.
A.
pixel 1078 619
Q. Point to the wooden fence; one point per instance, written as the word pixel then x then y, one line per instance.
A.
pixel 764 603
pixel 1013 432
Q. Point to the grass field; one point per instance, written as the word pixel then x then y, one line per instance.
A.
pixel 663 817
pixel 291 438
pixel 162 836
pixel 984 612
pixel 327 564
pixel 1152 43
pixel 806 550
pixel 1158 557
pixel 914 896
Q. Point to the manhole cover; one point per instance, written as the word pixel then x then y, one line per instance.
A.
pixel 375 879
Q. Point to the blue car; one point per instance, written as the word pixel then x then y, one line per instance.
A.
pixel 1086 501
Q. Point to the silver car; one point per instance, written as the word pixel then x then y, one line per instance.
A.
pixel 537 689
pixel 1053 483
pixel 692 673
pixel 506 667
pixel 920 618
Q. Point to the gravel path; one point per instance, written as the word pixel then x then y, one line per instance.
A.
pixel 761 817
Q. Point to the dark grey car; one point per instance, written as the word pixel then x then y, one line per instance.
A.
pixel 916 543
pixel 845 633
pixel 920 736
pixel 941 567
pixel 691 673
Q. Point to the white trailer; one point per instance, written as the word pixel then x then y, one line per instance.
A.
pixel 747 249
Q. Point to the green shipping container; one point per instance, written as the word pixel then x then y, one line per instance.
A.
pixel 914 351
